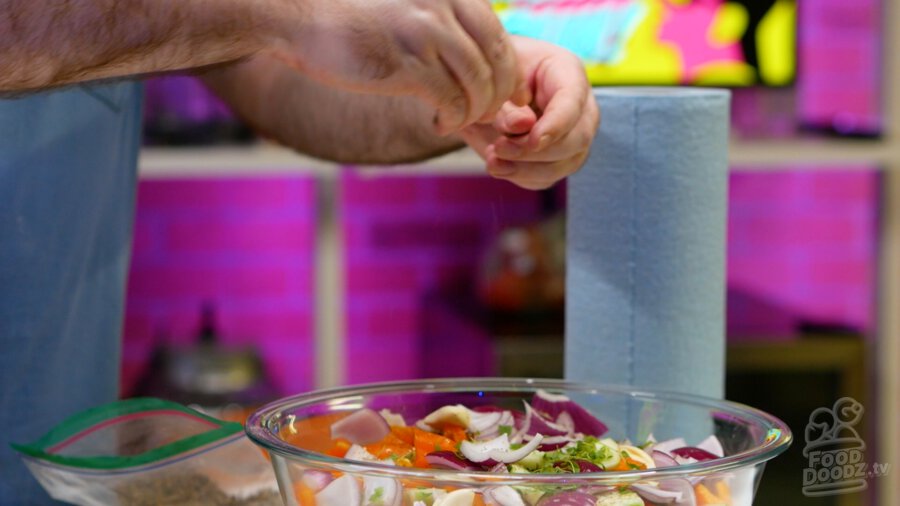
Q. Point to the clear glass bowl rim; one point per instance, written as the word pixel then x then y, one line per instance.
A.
pixel 257 430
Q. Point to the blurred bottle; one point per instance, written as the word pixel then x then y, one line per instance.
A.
pixel 207 372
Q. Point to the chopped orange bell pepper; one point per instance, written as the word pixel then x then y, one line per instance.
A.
pixel 454 432
pixel 391 446
pixel 705 497
pixel 305 496
pixel 426 443
pixel 406 434
pixel 723 492
pixel 339 449
pixel 628 464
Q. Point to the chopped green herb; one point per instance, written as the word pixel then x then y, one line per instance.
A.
pixel 505 429
pixel 565 459
pixel 377 497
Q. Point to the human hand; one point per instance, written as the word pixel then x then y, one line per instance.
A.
pixel 453 54
pixel 534 147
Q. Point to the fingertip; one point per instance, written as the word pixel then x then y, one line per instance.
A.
pixel 543 142
pixel 515 120
pixel 501 169
pixel 495 166
pixel 508 148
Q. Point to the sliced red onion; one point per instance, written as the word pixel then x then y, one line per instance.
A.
pixel 343 491
pixel 316 480
pixel 552 443
pixel 565 420
pixel 536 423
pixel 378 491
pixel 445 459
pixel 582 419
pixel 657 495
pixel 517 416
pixel 393 419
pixel 499 468
pixel 713 446
pixel 663 459
pixel 569 498
pixel 481 422
pixel 598 489
pixel 487 408
pixel 670 444
pixel 459 497
pixel 506 420
pixel 362 427
pixel 509 418
pixel 584 466
pixel 692 452
pixel 683 461
pixel 503 496
pixel 497 449
pixel 688 497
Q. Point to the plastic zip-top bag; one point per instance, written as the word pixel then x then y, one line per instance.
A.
pixel 146 451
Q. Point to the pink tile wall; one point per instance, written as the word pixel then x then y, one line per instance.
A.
pixel 802 247
pixel 840 64
pixel 407 237
pixel 244 244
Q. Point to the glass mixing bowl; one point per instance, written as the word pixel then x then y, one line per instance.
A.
pixel 748 437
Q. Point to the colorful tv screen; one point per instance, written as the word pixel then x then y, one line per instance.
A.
pixel 688 42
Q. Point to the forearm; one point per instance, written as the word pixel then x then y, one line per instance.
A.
pixel 46 43
pixel 325 122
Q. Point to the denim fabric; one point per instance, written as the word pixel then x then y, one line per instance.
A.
pixel 67 183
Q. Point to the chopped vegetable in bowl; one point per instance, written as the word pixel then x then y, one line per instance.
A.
pixel 549 450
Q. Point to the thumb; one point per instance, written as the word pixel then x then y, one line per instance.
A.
pixel 514 120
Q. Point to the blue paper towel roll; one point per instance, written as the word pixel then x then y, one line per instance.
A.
pixel 645 294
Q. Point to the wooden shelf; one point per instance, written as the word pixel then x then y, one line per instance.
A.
pixel 226 161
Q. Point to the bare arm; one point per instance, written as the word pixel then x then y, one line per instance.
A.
pixel 532 146
pixel 453 54
pixel 46 43
pixel 327 122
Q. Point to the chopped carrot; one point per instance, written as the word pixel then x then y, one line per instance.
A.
pixel 478 501
pixel 339 449
pixel 427 442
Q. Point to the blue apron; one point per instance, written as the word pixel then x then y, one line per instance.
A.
pixel 67 183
